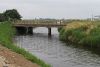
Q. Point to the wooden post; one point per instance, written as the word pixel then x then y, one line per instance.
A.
pixel 49 31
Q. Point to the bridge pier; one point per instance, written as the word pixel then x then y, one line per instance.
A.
pixel 49 32
pixel 30 30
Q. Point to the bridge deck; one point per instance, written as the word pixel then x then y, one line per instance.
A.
pixel 30 23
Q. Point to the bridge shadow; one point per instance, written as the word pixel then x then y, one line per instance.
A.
pixel 41 35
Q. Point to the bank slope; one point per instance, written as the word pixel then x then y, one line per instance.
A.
pixel 82 33
pixel 6 33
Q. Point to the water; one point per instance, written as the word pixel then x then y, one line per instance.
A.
pixel 54 52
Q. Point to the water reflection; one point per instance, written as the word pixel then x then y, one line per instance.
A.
pixel 55 52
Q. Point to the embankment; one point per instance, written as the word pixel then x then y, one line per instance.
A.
pixel 6 34
pixel 81 33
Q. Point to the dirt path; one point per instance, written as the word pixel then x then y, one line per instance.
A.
pixel 12 59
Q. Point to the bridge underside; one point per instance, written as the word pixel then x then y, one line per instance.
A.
pixel 28 30
pixel 24 30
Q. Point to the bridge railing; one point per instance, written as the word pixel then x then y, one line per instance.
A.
pixel 39 22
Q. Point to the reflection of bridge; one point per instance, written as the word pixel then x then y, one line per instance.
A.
pixel 26 26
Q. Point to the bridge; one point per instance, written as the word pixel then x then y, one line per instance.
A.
pixel 26 26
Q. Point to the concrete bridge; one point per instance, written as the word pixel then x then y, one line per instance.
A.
pixel 26 26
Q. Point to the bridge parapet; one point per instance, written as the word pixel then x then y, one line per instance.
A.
pixel 28 22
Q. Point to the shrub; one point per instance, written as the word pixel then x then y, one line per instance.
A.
pixel 82 33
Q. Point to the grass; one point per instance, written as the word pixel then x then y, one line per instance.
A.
pixel 82 33
pixel 6 34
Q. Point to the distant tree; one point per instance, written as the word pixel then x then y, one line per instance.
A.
pixel 12 14
pixel 2 17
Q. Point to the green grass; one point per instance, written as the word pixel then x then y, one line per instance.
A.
pixel 6 34
pixel 83 33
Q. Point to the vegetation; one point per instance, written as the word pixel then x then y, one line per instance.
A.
pixel 2 17
pixel 10 15
pixel 6 34
pixel 81 33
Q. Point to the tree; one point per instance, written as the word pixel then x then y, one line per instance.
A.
pixel 12 14
pixel 2 17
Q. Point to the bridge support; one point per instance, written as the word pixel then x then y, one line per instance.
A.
pixel 30 30
pixel 49 31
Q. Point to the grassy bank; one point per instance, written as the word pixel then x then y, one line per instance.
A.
pixel 6 34
pixel 81 33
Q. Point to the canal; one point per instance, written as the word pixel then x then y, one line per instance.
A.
pixel 55 52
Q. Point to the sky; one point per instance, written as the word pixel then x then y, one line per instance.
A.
pixel 58 9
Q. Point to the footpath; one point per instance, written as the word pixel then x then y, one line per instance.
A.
pixel 12 59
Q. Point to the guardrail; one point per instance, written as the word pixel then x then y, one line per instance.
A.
pixel 37 22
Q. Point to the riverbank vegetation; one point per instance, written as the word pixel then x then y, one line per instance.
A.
pixel 6 34
pixel 81 33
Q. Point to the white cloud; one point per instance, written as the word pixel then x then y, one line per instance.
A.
pixel 53 8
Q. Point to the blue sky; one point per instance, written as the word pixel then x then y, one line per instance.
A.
pixel 30 9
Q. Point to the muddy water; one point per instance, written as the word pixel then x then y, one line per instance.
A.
pixel 54 52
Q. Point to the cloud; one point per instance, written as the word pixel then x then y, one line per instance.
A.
pixel 53 8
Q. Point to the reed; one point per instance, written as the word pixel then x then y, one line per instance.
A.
pixel 82 33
